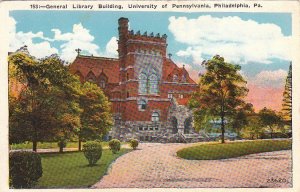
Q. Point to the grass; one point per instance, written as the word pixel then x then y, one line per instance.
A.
pixel 213 151
pixel 49 145
pixel 71 170
pixel 42 145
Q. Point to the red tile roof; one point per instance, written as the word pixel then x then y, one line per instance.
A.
pixel 183 101
pixel 85 64
pixel 170 69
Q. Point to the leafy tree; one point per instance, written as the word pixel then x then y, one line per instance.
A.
pixel 221 92
pixel 96 118
pixel 48 105
pixel 270 120
pixel 253 129
pixel 287 99
pixel 241 118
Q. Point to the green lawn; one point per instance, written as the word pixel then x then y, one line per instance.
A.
pixel 44 145
pixel 71 170
pixel 49 145
pixel 213 151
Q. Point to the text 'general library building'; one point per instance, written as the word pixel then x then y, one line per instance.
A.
pixel 148 91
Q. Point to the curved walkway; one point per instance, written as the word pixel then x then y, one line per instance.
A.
pixel 157 166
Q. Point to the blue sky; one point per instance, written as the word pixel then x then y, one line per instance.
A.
pixel 259 42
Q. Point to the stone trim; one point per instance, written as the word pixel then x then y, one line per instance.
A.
pixel 146 42
pixel 137 98
pixel 177 83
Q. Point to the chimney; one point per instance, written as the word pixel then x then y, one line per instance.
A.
pixel 123 34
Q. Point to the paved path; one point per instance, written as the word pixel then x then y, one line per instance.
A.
pixel 156 165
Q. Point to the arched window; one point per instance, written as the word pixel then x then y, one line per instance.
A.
pixel 175 78
pixel 142 104
pixel 102 83
pixel 183 78
pixel 142 83
pixel 155 117
pixel 153 84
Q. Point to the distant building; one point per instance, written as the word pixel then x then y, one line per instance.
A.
pixel 148 91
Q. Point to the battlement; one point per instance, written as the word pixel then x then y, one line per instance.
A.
pixel 147 37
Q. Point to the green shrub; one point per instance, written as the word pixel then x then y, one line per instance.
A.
pixel 133 143
pixel 92 151
pixel 62 143
pixel 25 168
pixel 114 145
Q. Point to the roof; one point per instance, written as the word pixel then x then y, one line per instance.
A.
pixel 97 65
pixel 170 69
pixel 183 101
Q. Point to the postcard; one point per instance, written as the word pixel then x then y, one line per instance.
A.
pixel 150 95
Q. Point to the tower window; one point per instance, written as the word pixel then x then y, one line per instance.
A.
pixel 142 105
pixel 148 84
pixel 153 84
pixel 142 83
pixel 155 117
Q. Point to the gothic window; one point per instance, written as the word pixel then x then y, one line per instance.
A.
pixel 155 117
pixel 153 84
pixel 102 83
pixel 91 77
pixel 183 78
pixel 175 78
pixel 142 105
pixel 142 83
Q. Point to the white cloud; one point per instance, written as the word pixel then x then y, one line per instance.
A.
pixel 80 37
pixel 271 78
pixel 112 47
pixel 19 39
pixel 239 41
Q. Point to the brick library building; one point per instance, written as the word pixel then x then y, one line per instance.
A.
pixel 148 91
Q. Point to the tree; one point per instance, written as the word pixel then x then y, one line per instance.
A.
pixel 96 118
pixel 287 99
pixel 221 92
pixel 270 120
pixel 241 118
pixel 253 129
pixel 48 105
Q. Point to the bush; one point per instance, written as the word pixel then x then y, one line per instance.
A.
pixel 114 145
pixel 92 151
pixel 62 143
pixel 25 168
pixel 134 143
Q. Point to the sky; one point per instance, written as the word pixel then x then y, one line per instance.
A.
pixel 259 42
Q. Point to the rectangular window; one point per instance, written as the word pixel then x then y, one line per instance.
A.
pixel 140 128
pixel 170 95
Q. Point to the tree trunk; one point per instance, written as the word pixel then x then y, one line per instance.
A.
pixel 61 148
pixel 34 145
pixel 79 144
pixel 271 132
pixel 223 129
